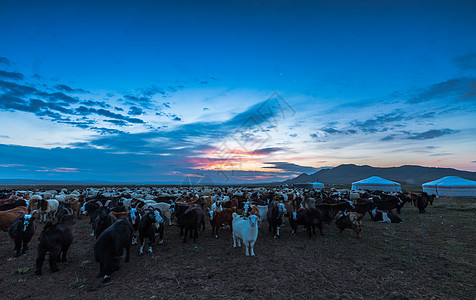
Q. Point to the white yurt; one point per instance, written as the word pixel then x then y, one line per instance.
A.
pixel 452 186
pixel 317 185
pixel 376 183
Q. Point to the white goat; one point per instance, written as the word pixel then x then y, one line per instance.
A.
pixel 245 229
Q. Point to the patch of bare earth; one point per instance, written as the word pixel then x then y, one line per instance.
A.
pixel 429 256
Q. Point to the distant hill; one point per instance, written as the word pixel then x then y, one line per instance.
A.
pixel 409 175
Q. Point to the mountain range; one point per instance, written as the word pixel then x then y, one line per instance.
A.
pixel 409 175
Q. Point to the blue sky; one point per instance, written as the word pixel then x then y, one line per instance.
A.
pixel 231 92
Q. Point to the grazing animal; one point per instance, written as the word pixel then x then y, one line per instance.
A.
pixel 12 204
pixel 119 215
pixel 387 202
pixel 350 220
pixel 421 203
pixel 64 210
pixel 55 239
pixel 363 206
pixel 134 218
pixel 383 217
pixel 150 224
pixel 76 205
pixel 110 246
pixel 180 209
pixel 191 221
pixel 275 214
pixel 104 219
pixel 329 210
pixel 7 218
pixel 165 209
pixel 263 212
pixel 221 218
pixel 309 217
pixel 47 209
pixel 245 229
pixel 22 231
pixel 429 198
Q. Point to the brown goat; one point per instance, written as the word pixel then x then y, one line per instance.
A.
pixel 350 220
pixel 7 218
pixel 221 218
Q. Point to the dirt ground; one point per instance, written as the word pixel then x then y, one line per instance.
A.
pixel 429 256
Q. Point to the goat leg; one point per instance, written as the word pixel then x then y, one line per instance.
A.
pixel 39 261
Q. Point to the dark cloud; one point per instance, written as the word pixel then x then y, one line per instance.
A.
pixel 388 138
pixel 36 106
pixel 83 110
pixel 65 88
pixel 135 120
pixel 118 108
pixel 117 122
pixel 58 97
pixel 96 103
pixel 290 167
pixel 474 161
pixel 203 82
pixel 378 123
pixel 80 124
pixel 5 61
pixel 178 119
pixel 11 75
pixel 135 111
pixel 467 61
pixel 458 89
pixel 431 134
pixel 331 130
pixel 151 91
pixel 141 100
pixel 103 130
pixel 16 89
pixel 205 108
pixel 166 104
pixel 266 151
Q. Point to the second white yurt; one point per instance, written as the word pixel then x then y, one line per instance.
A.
pixel 451 186
pixel 317 185
pixel 376 183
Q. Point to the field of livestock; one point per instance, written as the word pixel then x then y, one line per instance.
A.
pixel 428 256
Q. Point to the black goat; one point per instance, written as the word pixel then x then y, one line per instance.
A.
pixel 150 224
pixel 309 217
pixel 55 239
pixel 191 220
pixel 110 246
pixel 22 231
pixel 103 220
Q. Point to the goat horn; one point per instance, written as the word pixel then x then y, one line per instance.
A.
pixel 69 210
pixel 107 202
pixel 99 203
pixel 34 212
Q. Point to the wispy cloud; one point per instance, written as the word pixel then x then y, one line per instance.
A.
pixel 431 134
pixel 5 61
pixel 11 75
pixel 466 61
pixel 457 89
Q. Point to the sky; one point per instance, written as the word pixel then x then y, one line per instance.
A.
pixel 233 91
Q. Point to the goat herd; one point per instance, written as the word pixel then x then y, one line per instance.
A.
pixel 123 216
